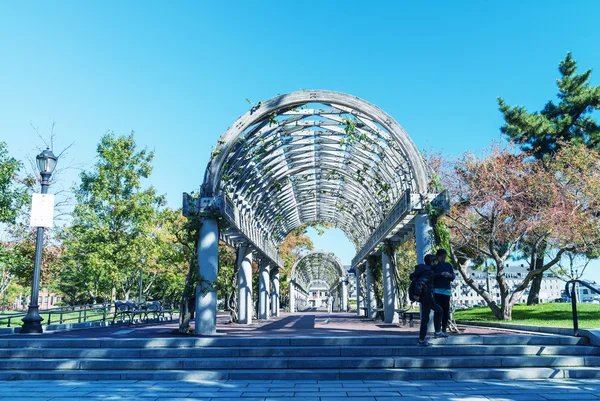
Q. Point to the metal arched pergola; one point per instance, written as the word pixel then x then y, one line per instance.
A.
pixel 299 158
pixel 317 267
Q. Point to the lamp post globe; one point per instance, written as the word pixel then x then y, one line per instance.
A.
pixel 32 322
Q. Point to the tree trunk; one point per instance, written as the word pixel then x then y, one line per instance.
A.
pixel 113 293
pixel 536 283
pixel 506 312
pixel 188 299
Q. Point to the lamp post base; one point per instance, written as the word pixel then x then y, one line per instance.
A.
pixel 32 322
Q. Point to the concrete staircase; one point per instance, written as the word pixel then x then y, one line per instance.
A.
pixel 299 358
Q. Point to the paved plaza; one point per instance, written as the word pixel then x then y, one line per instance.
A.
pixel 315 322
pixel 479 390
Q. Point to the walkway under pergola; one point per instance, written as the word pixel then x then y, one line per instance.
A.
pixel 300 158
pixel 321 269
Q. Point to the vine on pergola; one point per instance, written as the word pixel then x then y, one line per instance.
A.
pixel 310 157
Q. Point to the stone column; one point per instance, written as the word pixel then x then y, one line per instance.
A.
pixel 389 290
pixel 208 267
pixel 424 240
pixel 245 305
pixel 370 296
pixel 263 289
pixel 423 237
pixel 357 272
pixel 275 292
pixel 344 295
pixel 292 297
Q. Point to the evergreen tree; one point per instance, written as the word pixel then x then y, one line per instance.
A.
pixel 543 133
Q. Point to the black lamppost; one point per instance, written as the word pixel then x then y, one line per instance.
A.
pixel 32 322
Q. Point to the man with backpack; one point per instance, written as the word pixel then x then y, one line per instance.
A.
pixel 421 291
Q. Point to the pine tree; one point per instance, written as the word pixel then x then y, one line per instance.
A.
pixel 543 133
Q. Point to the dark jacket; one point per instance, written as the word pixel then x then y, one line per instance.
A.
pixel 441 281
pixel 424 277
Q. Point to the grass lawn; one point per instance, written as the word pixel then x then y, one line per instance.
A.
pixel 551 314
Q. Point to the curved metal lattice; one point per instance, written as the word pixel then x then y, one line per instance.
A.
pixel 317 267
pixel 315 156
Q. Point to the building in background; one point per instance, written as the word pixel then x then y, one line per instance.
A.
pixel 464 296
pixel 46 300
pixel 586 295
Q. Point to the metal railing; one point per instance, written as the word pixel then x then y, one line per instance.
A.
pixel 573 293
pixel 62 315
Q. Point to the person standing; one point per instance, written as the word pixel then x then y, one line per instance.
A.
pixel 329 304
pixel 442 287
pixel 424 278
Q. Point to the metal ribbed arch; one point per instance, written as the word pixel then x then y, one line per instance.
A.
pixel 317 266
pixel 314 156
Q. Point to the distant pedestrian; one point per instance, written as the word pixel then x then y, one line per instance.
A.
pixel 329 304
pixel 423 277
pixel 442 288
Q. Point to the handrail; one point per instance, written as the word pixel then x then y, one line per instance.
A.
pixel 574 300
pixel 81 312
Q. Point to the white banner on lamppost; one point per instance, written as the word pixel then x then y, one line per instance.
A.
pixel 42 210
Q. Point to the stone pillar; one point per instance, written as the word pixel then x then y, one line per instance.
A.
pixel 245 305
pixel 370 296
pixel 423 237
pixel 389 290
pixel 275 292
pixel 208 268
pixel 292 297
pixel 357 272
pixel 344 295
pixel 263 290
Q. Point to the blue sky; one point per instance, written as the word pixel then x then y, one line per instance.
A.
pixel 178 73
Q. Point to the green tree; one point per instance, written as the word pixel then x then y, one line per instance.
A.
pixel 13 192
pixel 14 195
pixel 112 236
pixel 543 133
pixel 406 260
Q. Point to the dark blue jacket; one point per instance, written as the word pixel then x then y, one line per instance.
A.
pixel 441 281
pixel 423 276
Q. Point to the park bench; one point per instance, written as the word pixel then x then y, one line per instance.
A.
pixel 157 310
pixel 408 315
pixel 127 310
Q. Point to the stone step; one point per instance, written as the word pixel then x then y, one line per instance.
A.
pixel 325 351
pixel 327 363
pixel 233 342
pixel 312 374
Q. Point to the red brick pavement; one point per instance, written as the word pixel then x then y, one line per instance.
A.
pixel 314 323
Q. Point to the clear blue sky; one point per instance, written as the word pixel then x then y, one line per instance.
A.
pixel 178 73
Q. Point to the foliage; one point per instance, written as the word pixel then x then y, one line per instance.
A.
pixel 504 200
pixel 295 244
pixel 13 192
pixel 544 133
pixel 113 234
pixel 14 196
pixel 406 260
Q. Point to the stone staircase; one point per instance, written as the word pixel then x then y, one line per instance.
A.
pixel 299 358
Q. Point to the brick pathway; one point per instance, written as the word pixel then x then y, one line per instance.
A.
pixel 484 390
